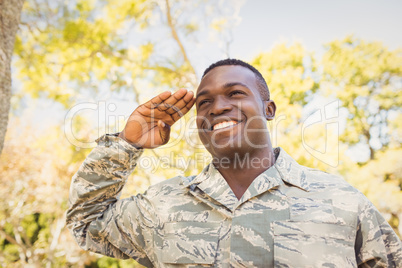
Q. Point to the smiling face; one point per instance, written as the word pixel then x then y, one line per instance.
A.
pixel 231 116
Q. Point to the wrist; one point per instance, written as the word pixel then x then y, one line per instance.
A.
pixel 123 137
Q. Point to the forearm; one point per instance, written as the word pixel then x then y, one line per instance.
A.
pixel 96 187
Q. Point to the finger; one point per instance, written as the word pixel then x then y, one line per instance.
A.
pixel 164 131
pixel 155 101
pixel 181 103
pixel 173 99
pixel 176 116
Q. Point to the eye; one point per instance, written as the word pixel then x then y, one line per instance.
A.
pixel 236 92
pixel 202 102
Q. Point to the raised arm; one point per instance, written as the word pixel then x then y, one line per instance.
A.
pixel 98 220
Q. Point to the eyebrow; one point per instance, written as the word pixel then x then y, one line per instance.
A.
pixel 227 85
pixel 232 84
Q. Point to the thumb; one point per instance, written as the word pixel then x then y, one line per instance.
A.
pixel 164 131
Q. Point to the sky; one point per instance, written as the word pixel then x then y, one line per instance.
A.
pixel 263 23
pixel 314 23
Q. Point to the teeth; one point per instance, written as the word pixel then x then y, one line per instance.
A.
pixel 224 124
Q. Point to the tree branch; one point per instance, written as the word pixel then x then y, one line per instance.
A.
pixel 9 238
pixel 177 39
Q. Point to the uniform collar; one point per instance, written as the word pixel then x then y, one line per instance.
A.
pixel 285 170
pixel 290 171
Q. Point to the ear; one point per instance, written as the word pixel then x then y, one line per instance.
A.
pixel 269 109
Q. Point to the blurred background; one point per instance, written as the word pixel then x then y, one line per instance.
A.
pixel 80 67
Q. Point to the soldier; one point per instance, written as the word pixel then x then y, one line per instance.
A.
pixel 252 206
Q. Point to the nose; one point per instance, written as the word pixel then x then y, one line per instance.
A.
pixel 220 106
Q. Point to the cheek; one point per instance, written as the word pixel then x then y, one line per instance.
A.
pixel 202 122
pixel 255 119
pixel 204 140
pixel 252 109
pixel 198 120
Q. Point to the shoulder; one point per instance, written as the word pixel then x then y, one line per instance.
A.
pixel 171 187
pixel 330 193
pixel 321 180
pixel 335 187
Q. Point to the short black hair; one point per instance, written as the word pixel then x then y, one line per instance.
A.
pixel 262 85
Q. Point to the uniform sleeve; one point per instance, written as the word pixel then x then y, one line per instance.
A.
pixel 97 218
pixel 377 245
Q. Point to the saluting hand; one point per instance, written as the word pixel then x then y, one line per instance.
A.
pixel 149 125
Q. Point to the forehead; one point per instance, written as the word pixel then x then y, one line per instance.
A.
pixel 222 75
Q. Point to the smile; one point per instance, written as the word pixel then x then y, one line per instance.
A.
pixel 225 124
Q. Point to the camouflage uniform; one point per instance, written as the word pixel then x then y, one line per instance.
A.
pixel 290 216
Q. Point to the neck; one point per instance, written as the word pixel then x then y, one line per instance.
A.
pixel 241 169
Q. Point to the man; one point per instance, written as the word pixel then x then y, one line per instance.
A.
pixel 253 206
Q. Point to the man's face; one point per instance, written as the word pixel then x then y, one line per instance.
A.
pixel 231 116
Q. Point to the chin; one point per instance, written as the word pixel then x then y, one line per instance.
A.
pixel 228 152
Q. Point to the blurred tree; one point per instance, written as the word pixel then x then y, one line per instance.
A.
pixel 10 12
pixel 33 201
pixel 380 180
pixel 69 49
pixel 366 77
pixel 70 52
pixel 290 72
pixel 33 198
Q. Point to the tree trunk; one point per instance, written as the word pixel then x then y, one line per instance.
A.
pixel 10 13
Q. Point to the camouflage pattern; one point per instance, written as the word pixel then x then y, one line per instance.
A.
pixel 290 216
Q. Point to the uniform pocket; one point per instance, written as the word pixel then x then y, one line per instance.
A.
pixel 311 209
pixel 190 242
pixel 312 244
